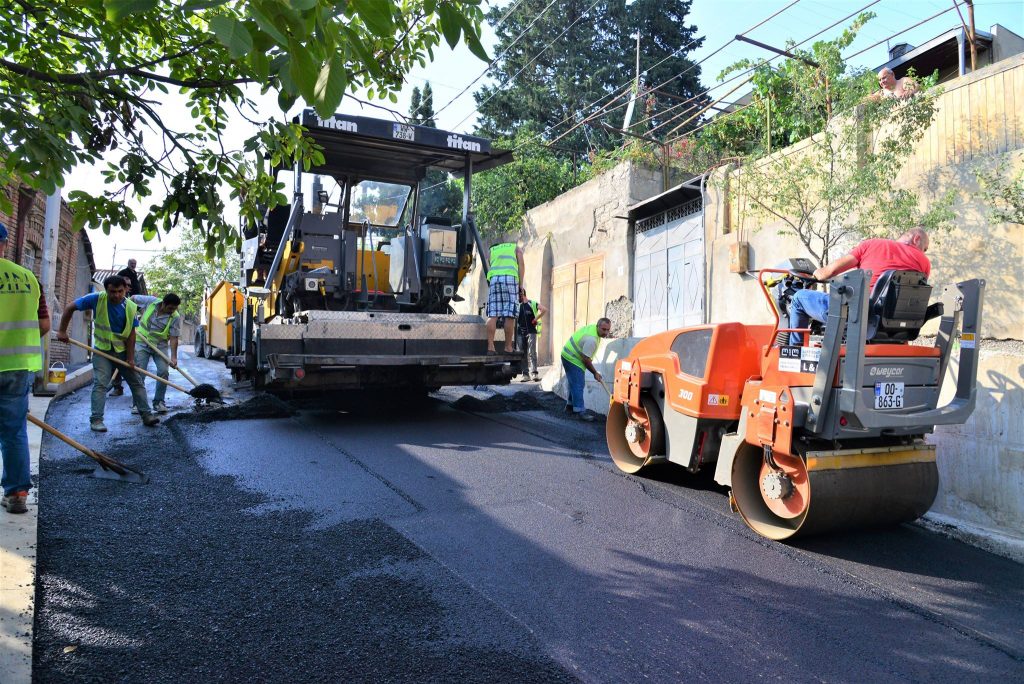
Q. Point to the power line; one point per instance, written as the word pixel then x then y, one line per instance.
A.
pixel 846 58
pixel 755 67
pixel 604 109
pixel 665 59
pixel 525 66
pixel 955 5
pixel 499 56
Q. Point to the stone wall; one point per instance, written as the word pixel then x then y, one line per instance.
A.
pixel 585 222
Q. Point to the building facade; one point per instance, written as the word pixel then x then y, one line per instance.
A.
pixel 73 268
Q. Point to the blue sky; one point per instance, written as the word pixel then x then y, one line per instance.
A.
pixel 717 20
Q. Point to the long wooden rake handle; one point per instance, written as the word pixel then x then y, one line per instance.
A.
pixel 103 460
pixel 128 366
pixel 168 360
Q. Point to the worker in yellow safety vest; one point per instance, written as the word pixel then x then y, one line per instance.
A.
pixel 503 277
pixel 158 334
pixel 528 330
pixel 113 334
pixel 24 318
pixel 577 355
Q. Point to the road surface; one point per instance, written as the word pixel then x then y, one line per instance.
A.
pixel 389 542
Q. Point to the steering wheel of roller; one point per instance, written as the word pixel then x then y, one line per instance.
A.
pixel 806 276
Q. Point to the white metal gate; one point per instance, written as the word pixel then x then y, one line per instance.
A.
pixel 668 270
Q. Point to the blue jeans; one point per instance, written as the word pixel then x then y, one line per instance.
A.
pixel 102 369
pixel 14 387
pixel 806 304
pixel 575 377
pixel 142 356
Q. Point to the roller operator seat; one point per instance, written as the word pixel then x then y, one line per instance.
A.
pixel 898 307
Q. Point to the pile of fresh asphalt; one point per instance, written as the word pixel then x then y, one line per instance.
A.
pixel 519 401
pixel 260 406
pixel 184 579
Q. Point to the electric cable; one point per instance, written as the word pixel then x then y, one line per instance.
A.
pixel 525 66
pixel 499 56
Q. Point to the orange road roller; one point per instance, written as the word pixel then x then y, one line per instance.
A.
pixel 828 434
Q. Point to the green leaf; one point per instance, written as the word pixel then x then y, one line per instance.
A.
pixel 285 100
pixel 193 5
pixel 233 35
pixel 303 70
pixel 376 15
pixel 330 86
pixel 268 24
pixel 119 9
pixel 302 5
pixel 451 24
pixel 474 45
pixel 260 64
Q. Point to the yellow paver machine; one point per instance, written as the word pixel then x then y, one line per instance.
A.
pixel 351 285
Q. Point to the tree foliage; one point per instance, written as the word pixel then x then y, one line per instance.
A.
pixel 86 81
pixel 837 182
pixel 502 196
pixel 1004 193
pixel 553 64
pixel 421 106
pixel 440 195
pixel 186 272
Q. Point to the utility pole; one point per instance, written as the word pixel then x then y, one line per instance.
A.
pixel 974 44
pixel 636 88
pixel 48 273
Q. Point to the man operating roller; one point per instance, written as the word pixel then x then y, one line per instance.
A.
pixel 906 253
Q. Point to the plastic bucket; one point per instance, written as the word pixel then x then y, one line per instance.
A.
pixel 57 374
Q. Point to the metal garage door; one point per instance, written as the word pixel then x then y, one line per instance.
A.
pixel 668 270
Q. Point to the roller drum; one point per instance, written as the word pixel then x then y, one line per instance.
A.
pixel 844 490
pixel 636 438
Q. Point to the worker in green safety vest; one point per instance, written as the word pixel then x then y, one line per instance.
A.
pixel 24 318
pixel 158 333
pixel 503 278
pixel 113 334
pixel 577 355
pixel 528 330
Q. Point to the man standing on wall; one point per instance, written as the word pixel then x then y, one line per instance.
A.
pixel 503 278
pixel 577 355
pixel 528 330
pixel 24 318
pixel 114 334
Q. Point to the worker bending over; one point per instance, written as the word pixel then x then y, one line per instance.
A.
pixel 24 318
pixel 878 255
pixel 114 334
pixel 158 333
pixel 577 355
pixel 503 278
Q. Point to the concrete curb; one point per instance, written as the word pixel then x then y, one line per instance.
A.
pixel 18 544
pixel 75 380
pixel 973 535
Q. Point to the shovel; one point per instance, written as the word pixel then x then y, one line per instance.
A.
pixel 204 391
pixel 109 468
pixel 168 360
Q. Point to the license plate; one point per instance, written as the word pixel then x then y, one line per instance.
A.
pixel 888 395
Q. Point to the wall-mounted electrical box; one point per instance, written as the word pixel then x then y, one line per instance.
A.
pixel 739 257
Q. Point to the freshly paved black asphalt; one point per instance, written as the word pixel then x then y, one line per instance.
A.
pixel 442 545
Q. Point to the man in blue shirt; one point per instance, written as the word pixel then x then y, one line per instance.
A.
pixel 114 334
